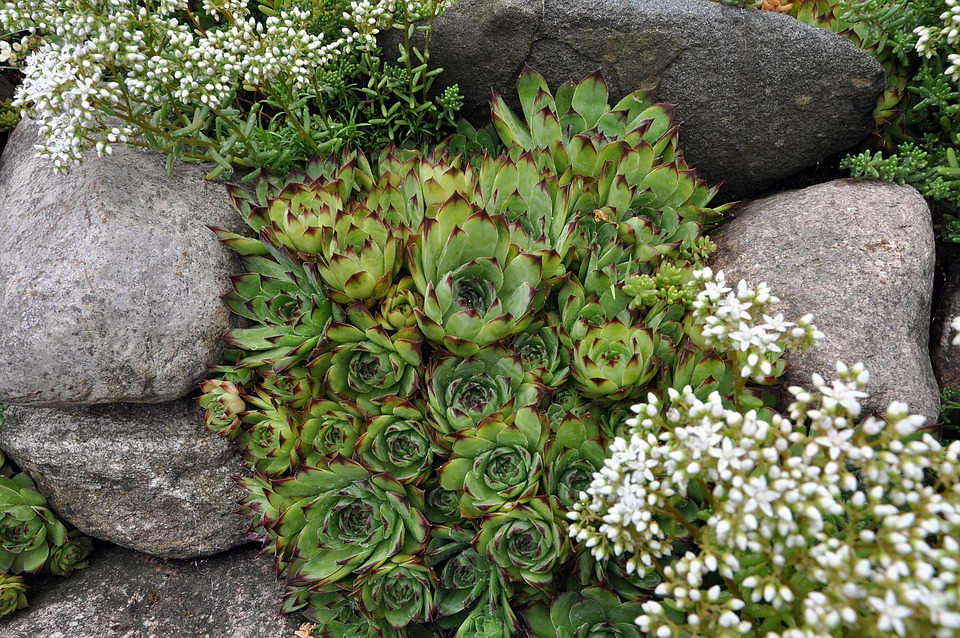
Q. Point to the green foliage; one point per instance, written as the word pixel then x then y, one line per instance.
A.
pixel 9 116
pixel 444 342
pixel 247 86
pixel 950 414
pixel 32 539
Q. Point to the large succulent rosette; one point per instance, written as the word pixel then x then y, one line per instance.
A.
pixel 444 342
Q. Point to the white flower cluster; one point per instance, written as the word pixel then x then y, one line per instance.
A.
pixel 929 38
pixel 737 321
pixel 134 59
pixel 816 525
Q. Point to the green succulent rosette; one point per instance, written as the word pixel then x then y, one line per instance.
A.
pixel 296 210
pixel 369 365
pixel 329 429
pixel 28 529
pixel 499 465
pixel 397 310
pixel 345 520
pixel 477 287
pixel 526 542
pixel 399 442
pixel 572 455
pixel 485 623
pixel 338 613
pixel 464 580
pixel 360 256
pixel 222 406
pixel 285 298
pixel 73 555
pixel 613 574
pixel 399 591
pixel 461 392
pixel 594 612
pixel 545 360
pixel 613 361
pixel 271 438
pixel 441 506
pixel 13 594
pixel 295 386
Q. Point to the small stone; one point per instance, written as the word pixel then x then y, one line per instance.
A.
pixel 148 477
pixel 859 255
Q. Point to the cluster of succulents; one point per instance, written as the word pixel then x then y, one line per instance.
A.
pixel 441 344
pixel 32 539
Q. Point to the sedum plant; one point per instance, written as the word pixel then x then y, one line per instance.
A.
pixel 443 342
pixel 243 85
pixel 823 522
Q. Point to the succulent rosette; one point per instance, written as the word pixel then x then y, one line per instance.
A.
pixel 222 406
pixel 285 298
pixel 73 555
pixel 594 612
pixel 328 429
pixel 338 614
pixel 399 442
pixel 13 594
pixel 28 529
pixel 400 591
pixel 613 361
pixel 347 520
pixel 573 454
pixel 526 542
pixel 359 257
pixel 441 506
pixel 294 386
pixel 463 391
pixel 477 287
pixel 500 464
pixel 397 308
pixel 368 365
pixel 485 623
pixel 272 436
pixel 544 359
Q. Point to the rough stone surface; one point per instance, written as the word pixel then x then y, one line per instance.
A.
pixel 859 255
pixel 110 280
pixel 944 355
pixel 144 476
pixel 760 95
pixel 123 594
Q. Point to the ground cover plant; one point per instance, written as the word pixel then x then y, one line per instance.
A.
pixel 244 85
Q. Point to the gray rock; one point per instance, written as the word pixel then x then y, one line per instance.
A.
pixel 760 95
pixel 944 355
pixel 148 477
pixel 110 281
pixel 859 255
pixel 123 594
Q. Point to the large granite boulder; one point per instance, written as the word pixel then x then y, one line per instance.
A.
pixel 110 280
pixel 145 476
pixel 859 255
pixel 123 594
pixel 760 95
